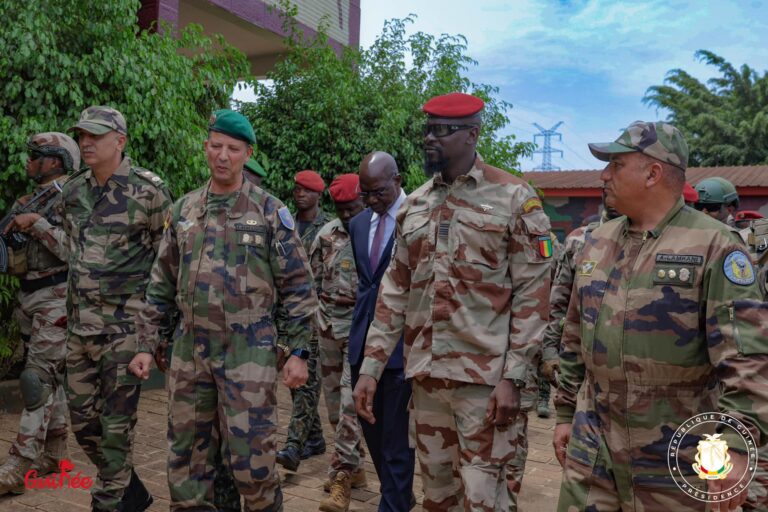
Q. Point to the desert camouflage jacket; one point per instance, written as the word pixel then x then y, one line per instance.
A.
pixel 226 269
pixel 468 283
pixel 333 268
pixel 45 253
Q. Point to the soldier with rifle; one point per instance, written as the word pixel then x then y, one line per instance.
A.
pixel 32 248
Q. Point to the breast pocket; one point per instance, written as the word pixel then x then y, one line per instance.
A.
pixel 254 276
pixel 478 245
pixel 418 238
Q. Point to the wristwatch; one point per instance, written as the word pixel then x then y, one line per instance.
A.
pixel 301 353
pixel 519 383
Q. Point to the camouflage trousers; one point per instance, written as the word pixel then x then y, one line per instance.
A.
pixel 305 421
pixel 103 400
pixel 225 404
pixel 606 486
pixel 757 497
pixel 42 318
pixel 460 454
pixel 337 388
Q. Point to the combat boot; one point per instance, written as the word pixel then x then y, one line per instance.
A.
pixel 313 447
pixel 341 494
pixel 12 474
pixel 136 497
pixel 289 458
pixel 542 410
pixel 359 481
pixel 55 451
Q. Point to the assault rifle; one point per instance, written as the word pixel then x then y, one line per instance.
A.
pixel 14 239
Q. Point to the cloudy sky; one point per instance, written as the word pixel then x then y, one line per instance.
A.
pixel 587 63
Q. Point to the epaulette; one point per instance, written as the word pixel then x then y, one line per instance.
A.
pixel 758 238
pixel 149 176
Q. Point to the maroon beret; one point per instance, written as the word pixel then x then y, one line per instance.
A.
pixel 344 188
pixel 455 104
pixel 310 180
pixel 689 193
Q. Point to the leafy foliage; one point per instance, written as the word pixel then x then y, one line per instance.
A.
pixel 59 56
pixel 724 121
pixel 9 329
pixel 325 111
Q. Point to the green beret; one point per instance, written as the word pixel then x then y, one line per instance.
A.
pixel 233 124
pixel 254 166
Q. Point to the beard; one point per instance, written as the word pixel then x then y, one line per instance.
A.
pixel 432 167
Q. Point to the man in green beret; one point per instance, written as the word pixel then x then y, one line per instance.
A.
pixel 230 258
pixel 255 172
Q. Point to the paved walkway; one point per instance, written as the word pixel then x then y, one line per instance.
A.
pixel 303 490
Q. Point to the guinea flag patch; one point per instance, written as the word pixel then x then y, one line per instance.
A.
pixel 545 246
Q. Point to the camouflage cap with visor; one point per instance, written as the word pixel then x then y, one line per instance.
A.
pixel 659 140
pixel 99 120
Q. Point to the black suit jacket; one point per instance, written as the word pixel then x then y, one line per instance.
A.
pixel 368 281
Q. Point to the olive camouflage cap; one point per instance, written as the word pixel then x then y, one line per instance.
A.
pixel 659 140
pixel 99 120
pixel 56 144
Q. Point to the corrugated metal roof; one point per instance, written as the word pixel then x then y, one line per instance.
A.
pixel 740 176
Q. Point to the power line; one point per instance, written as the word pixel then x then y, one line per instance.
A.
pixel 546 151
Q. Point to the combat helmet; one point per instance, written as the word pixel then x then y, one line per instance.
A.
pixel 713 191
pixel 730 190
pixel 56 144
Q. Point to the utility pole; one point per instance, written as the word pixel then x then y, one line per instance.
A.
pixel 546 151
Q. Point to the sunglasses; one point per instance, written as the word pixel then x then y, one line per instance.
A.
pixel 33 155
pixel 710 207
pixel 443 130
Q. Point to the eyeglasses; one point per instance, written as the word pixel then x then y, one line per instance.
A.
pixel 443 130
pixel 710 207
pixel 379 192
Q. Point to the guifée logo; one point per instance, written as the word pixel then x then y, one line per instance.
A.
pixel 61 480
pixel 699 454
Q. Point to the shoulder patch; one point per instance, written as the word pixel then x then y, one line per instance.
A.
pixel 532 204
pixel 587 267
pixel 286 218
pixel 738 269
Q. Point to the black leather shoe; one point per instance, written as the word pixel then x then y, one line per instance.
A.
pixel 288 457
pixel 312 448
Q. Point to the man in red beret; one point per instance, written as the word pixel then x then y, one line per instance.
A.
pixel 305 433
pixel 333 267
pixel 468 286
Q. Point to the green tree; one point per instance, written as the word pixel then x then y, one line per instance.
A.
pixel 324 111
pixel 59 56
pixel 725 121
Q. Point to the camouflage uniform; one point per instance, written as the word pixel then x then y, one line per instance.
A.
pixel 114 231
pixel 542 381
pixel 305 423
pixel 757 498
pixel 225 265
pixel 42 315
pixel 655 334
pixel 560 294
pixel 333 267
pixel 468 288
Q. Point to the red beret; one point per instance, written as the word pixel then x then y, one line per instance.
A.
pixel 689 193
pixel 455 104
pixel 748 215
pixel 310 180
pixel 344 188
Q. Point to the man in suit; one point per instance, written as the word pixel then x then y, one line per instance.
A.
pixel 372 235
